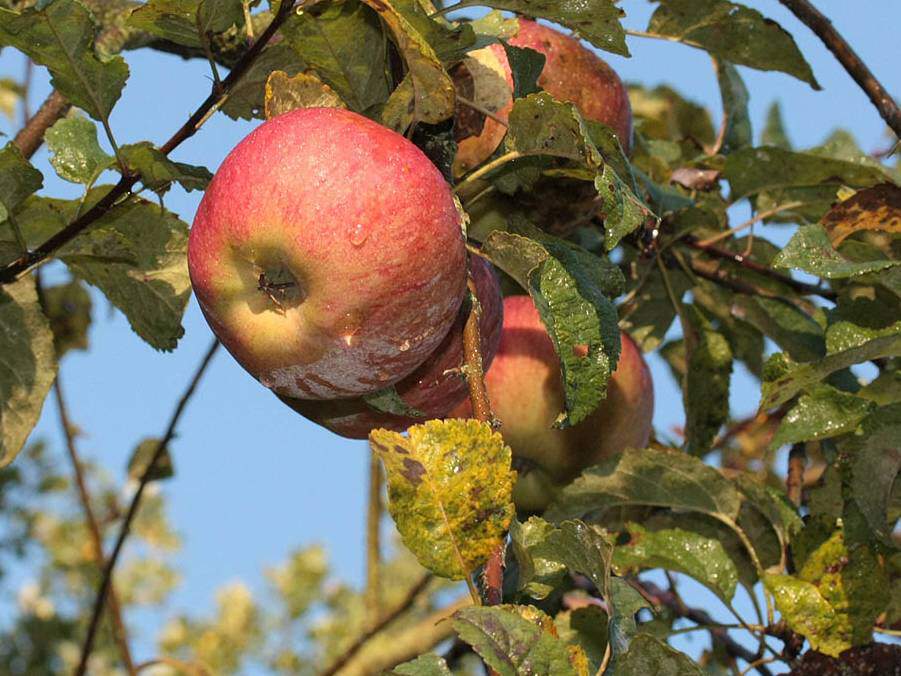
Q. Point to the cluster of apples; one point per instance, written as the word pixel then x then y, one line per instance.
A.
pixel 329 258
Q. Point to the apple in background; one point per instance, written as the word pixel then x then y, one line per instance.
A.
pixel 435 387
pixel 526 393
pixel 571 73
pixel 327 255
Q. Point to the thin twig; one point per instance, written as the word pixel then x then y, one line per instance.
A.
pixel 120 633
pixel 751 222
pixel 373 595
pixel 488 167
pixel 379 626
pixel 106 580
pixel 794 479
pixel 472 354
pixel 753 265
pixel 857 69
pixel 31 136
pixel 11 271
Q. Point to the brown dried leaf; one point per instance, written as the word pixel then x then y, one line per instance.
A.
pixel 876 208
pixel 304 90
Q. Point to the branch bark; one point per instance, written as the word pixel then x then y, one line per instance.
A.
pixel 852 63
pixel 373 595
pixel 106 579
pixel 31 136
pixel 10 272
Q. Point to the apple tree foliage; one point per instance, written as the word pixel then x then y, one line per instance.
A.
pixel 650 244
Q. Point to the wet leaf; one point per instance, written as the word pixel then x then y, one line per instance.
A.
pixel 158 172
pixel 663 478
pixel 648 656
pixel 347 47
pixel 141 457
pixel 511 644
pixel 678 550
pixel 821 413
pixel 75 153
pixel 584 548
pixel 806 611
pixel 27 365
pixel 450 487
pixel 706 387
pixel 598 21
pixel 304 90
pixel 811 251
pixel 572 290
pixel 60 36
pixel 872 209
pixel 540 569
pixel 732 32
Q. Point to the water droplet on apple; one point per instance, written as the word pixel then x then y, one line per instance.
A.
pixel 359 232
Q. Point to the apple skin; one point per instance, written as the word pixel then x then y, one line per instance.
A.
pixel 571 73
pixel 526 393
pixel 356 237
pixel 435 387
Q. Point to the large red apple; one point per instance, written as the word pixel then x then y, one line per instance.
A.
pixel 571 73
pixel 526 393
pixel 435 387
pixel 327 255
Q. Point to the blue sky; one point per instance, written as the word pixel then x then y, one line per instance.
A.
pixel 254 480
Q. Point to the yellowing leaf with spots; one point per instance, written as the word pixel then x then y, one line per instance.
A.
pixel 449 490
pixel 877 208
pixel 304 90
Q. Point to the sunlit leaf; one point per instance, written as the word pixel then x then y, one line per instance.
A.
pixel 75 153
pixel 540 569
pixel 429 664
pixel 648 656
pixel 450 487
pixel 140 459
pixel 822 413
pixel 158 172
pixel 872 209
pixel 811 251
pixel 304 90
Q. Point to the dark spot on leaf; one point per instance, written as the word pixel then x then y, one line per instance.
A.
pixel 400 450
pixel 413 471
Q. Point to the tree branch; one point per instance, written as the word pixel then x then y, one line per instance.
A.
pixel 373 596
pixel 852 63
pixel 120 633
pixel 31 136
pixel 106 580
pixel 379 626
pixel 794 479
pixel 750 264
pixel 218 94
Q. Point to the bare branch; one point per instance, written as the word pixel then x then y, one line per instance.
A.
pixel 373 595
pixel 857 69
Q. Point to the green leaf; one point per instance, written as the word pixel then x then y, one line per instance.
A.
pixel 541 125
pixel 783 379
pixel 774 133
pixel 806 611
pixel 27 364
pixel 811 251
pixel 622 210
pixel 674 549
pixel 650 316
pixel 526 65
pixel 75 153
pixel 347 47
pixel 781 516
pixel 450 487
pixel 622 627
pixel 450 42
pixel 304 90
pixel 754 170
pixel 158 172
pixel 141 457
pixel 648 656
pixel 18 179
pixel 598 21
pixel 585 627
pixel 732 32
pixel 429 664
pixel 511 644
pixel 389 401
pixel 791 329
pixel 247 97
pixel 706 387
pixel 584 548
pixel 571 289
pixel 68 308
pixel 433 94
pixel 738 133
pixel 876 462
pixel 60 36
pixel 173 20
pixel 663 478
pixel 540 570
pixel 822 413
pixel 216 16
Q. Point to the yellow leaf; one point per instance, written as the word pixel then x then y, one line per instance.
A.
pixel 877 208
pixel 304 90
pixel 449 488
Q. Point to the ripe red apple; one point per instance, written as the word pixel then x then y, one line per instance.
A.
pixel 327 255
pixel 526 393
pixel 435 387
pixel 571 73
